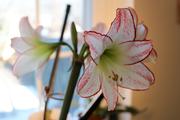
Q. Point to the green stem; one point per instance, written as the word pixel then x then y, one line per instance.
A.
pixel 70 89
pixel 67 45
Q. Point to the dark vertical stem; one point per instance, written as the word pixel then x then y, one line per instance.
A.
pixel 50 87
pixel 113 116
pixel 53 72
pixel 93 105
pixel 70 89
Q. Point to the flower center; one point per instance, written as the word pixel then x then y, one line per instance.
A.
pixel 110 59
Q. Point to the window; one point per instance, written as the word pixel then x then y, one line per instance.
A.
pixel 19 97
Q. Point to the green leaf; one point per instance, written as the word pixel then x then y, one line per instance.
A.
pixel 74 36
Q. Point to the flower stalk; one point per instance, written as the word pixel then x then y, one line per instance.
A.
pixel 49 88
pixel 76 68
pixel 78 61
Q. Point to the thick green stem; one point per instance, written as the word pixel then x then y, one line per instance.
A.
pixel 70 89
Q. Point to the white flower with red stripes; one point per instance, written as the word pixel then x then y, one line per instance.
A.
pixel 117 58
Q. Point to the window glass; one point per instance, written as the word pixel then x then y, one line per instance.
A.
pixel 20 96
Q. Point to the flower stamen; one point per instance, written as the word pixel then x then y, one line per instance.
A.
pixel 115 76
pixel 121 96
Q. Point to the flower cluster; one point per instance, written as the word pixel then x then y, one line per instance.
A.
pixel 116 58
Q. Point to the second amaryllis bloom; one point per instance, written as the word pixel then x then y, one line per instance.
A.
pixel 33 52
pixel 116 59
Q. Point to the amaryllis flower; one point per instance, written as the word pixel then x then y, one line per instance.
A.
pixel 116 59
pixel 33 52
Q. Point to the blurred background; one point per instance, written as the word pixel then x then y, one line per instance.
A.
pixel 20 97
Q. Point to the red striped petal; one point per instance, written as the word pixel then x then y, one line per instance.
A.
pixel 134 14
pixel 135 51
pixel 89 83
pixel 122 28
pixel 136 77
pixel 110 92
pixel 97 42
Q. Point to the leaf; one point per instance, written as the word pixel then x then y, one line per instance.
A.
pixel 74 36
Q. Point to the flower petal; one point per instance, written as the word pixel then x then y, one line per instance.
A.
pixel 97 42
pixel 122 28
pixel 152 56
pixel 136 77
pixel 29 61
pixel 27 32
pixel 25 28
pixel 135 51
pixel 100 27
pixel 110 92
pixel 89 83
pixel 39 29
pixel 19 45
pixel 141 32
pixel 134 14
